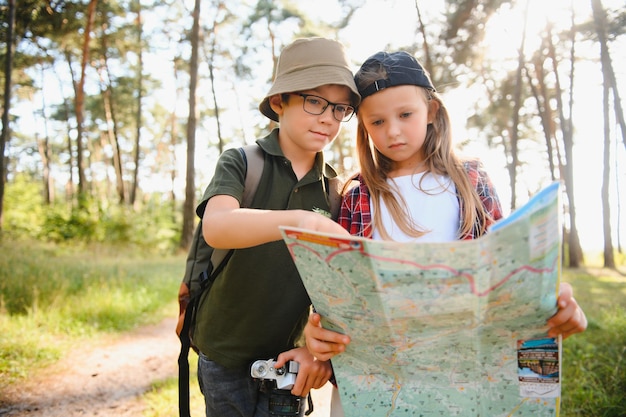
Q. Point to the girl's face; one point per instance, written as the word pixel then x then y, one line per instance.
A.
pixel 396 119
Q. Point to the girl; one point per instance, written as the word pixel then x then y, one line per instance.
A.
pixel 412 186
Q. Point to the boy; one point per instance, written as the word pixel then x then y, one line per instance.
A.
pixel 258 306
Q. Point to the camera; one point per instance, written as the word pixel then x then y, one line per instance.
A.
pixel 285 376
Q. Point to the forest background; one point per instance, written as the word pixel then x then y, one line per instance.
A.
pixel 114 113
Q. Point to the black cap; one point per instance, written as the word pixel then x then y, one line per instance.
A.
pixel 402 69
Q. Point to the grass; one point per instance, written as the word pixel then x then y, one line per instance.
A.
pixel 594 365
pixel 54 296
pixel 162 399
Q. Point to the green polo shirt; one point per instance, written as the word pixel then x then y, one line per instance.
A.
pixel 258 306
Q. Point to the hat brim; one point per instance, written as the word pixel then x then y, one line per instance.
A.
pixel 308 79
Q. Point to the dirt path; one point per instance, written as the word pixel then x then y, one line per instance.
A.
pixel 102 380
pixel 107 379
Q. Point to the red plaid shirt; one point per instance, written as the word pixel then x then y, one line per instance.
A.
pixel 355 214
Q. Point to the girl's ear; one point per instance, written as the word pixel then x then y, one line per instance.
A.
pixel 433 108
pixel 276 104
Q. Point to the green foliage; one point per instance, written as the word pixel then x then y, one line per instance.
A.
pixel 59 225
pixel 153 228
pixel 23 207
pixel 54 295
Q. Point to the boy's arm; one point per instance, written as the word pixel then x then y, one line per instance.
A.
pixel 312 373
pixel 225 225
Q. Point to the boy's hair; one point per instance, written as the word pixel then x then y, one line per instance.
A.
pixel 309 63
pixel 384 70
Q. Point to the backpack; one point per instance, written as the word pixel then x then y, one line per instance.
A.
pixel 204 263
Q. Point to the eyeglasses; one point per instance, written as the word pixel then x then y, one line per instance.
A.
pixel 317 105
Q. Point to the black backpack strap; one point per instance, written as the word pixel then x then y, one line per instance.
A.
pixel 183 364
pixel 253 158
pixel 185 339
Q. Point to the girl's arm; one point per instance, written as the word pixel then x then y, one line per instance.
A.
pixel 570 318
pixel 323 343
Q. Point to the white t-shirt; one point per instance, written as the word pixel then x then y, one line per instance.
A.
pixel 433 206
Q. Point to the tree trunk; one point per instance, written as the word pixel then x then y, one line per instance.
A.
pixel 67 109
pixel 172 147
pixel 80 99
pixel 422 29
pixel 517 97
pixel 173 130
pixel 6 129
pixel 574 249
pixel 190 188
pixel 275 55
pixel 545 113
pixel 112 136
pixel 43 147
pixel 599 19
pixel 609 258
pixel 137 150
pixel 210 60
pixel 111 119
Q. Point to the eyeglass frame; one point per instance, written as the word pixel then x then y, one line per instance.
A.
pixel 329 103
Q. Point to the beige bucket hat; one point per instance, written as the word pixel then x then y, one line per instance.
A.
pixel 309 63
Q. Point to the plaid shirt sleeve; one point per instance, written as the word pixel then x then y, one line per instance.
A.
pixel 486 192
pixel 355 215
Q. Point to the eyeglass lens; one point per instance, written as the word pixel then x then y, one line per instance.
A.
pixel 317 105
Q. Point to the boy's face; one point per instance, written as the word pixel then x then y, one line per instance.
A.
pixel 309 132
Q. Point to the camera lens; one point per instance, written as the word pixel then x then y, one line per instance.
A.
pixel 259 369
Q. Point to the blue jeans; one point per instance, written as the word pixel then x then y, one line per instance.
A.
pixel 232 393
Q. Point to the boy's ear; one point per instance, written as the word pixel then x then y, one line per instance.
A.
pixel 276 104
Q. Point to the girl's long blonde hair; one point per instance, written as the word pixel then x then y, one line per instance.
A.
pixel 440 158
